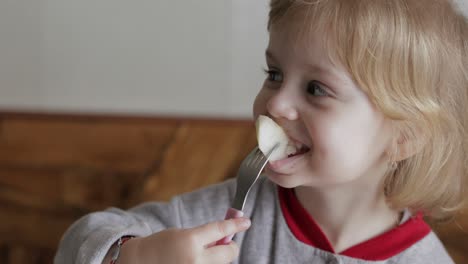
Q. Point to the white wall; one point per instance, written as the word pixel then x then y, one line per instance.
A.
pixel 141 56
pixel 165 57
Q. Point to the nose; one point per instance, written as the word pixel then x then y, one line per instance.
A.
pixel 283 105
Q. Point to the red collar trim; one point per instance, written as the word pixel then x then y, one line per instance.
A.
pixel 382 247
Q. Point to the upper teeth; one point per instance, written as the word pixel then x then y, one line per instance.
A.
pixel 291 150
pixel 294 147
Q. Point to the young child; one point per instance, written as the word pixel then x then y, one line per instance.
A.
pixel 375 94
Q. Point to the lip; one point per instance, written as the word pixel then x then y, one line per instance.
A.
pixel 282 166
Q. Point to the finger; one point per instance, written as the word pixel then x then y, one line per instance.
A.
pixel 221 254
pixel 214 231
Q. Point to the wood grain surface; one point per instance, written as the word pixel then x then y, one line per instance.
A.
pixel 56 168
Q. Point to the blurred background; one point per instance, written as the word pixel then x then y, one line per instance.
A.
pixel 146 57
pixel 101 100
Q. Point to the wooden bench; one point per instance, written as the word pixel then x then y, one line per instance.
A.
pixel 56 168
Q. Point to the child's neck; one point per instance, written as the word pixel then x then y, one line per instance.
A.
pixel 348 215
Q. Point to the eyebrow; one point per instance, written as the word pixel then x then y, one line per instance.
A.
pixel 312 67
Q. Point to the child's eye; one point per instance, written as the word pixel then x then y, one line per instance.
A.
pixel 273 75
pixel 314 88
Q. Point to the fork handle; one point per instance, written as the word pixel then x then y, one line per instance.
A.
pixel 231 213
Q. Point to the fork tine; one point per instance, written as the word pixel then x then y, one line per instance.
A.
pixel 259 162
pixel 249 160
pixel 250 156
pixel 253 156
pixel 260 158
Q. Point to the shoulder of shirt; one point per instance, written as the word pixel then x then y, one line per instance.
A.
pixel 428 250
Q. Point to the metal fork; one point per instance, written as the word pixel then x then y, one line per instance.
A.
pixel 249 171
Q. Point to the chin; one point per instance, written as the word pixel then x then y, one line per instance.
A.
pixel 285 181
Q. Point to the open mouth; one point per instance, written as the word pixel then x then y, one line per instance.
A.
pixel 297 149
pixel 294 153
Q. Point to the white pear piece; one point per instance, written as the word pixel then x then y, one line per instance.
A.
pixel 270 133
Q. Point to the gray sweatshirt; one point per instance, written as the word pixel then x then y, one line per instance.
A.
pixel 269 239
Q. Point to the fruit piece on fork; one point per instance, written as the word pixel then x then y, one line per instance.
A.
pixel 269 133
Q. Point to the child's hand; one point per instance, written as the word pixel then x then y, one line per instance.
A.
pixel 193 245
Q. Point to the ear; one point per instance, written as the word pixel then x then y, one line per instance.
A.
pixel 408 144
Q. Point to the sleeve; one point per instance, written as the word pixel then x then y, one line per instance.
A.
pixel 89 239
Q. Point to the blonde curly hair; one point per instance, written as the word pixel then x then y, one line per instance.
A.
pixel 411 58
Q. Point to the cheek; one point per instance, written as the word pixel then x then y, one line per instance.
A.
pixel 356 143
pixel 340 142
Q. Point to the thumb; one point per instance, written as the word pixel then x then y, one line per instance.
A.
pixel 215 231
